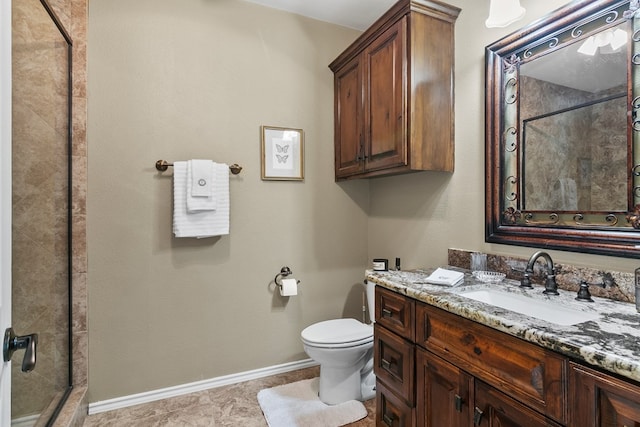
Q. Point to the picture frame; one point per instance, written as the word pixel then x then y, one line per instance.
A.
pixel 282 154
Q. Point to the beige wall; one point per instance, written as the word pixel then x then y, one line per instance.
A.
pixel 181 79
pixel 178 79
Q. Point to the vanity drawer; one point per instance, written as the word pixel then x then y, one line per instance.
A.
pixel 394 362
pixel 535 376
pixel 390 410
pixel 395 312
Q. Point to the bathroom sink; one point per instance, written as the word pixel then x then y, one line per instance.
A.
pixel 543 310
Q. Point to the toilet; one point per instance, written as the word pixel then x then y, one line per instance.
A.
pixel 344 350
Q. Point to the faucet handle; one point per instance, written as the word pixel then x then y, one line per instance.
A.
pixel 583 292
pixel 517 270
pixel 525 282
pixel 608 280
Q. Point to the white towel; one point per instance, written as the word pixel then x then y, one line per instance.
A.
pixel 200 183
pixel 205 223
pixel 446 277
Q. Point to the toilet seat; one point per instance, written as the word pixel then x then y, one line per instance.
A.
pixel 337 333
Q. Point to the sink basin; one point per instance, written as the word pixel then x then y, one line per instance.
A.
pixel 543 310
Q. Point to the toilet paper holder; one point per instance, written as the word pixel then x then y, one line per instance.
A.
pixel 284 272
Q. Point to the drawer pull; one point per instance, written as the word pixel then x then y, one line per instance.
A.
pixel 458 402
pixel 387 313
pixel 386 364
pixel 388 419
pixel 477 416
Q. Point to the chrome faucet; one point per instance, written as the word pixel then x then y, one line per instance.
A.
pixel 550 285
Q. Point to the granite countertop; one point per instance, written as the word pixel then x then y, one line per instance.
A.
pixel 612 342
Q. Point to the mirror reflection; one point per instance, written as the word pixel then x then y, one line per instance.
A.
pixel 563 131
pixel 574 127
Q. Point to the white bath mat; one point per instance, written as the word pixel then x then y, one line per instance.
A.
pixel 297 405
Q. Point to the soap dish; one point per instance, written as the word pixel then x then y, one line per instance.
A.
pixel 489 276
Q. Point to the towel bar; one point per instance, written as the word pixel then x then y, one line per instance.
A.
pixel 162 166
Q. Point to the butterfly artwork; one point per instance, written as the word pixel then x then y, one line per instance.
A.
pixel 282 154
pixel 282 148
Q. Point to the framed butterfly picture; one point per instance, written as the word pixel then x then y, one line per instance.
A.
pixel 282 154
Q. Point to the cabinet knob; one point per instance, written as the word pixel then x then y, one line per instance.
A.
pixel 387 313
pixel 458 403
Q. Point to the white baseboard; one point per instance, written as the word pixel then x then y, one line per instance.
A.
pixel 29 421
pixel 152 396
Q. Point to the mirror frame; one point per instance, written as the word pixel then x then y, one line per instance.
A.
pixel 605 233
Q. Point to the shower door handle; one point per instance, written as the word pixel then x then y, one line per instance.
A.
pixel 11 343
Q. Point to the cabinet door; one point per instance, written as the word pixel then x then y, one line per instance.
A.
pixel 599 400
pixel 443 393
pixel 495 409
pixel 385 100
pixel 349 137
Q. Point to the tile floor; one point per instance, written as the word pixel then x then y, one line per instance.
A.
pixel 232 405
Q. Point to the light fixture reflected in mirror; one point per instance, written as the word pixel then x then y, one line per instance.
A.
pixel 503 13
pixel 608 41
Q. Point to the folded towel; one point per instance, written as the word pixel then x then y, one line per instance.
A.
pixel 201 176
pixel 204 223
pixel 445 277
pixel 200 183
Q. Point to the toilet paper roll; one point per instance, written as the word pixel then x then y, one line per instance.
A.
pixel 289 287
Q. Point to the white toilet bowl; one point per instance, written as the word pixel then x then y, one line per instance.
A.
pixel 344 350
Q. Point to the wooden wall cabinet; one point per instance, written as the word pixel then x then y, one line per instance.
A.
pixel 394 94
pixel 437 369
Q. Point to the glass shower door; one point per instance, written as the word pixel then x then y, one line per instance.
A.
pixel 41 86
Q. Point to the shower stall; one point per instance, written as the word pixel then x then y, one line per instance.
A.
pixel 41 214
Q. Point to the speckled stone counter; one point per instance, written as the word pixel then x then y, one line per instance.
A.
pixel 612 342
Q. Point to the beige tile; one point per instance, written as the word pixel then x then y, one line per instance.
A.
pixel 228 406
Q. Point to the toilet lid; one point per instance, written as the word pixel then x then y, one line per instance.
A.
pixel 338 331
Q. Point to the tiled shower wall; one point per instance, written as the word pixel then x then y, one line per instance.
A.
pixel 39 203
pixel 73 16
pixel 596 159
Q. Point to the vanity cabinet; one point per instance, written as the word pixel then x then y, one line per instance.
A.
pixel 437 369
pixel 492 379
pixel 601 400
pixel 394 360
pixel 394 94
pixel 526 372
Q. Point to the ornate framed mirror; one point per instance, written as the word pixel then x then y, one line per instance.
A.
pixel 563 131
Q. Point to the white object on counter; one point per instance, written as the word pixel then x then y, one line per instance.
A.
pixel 443 276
